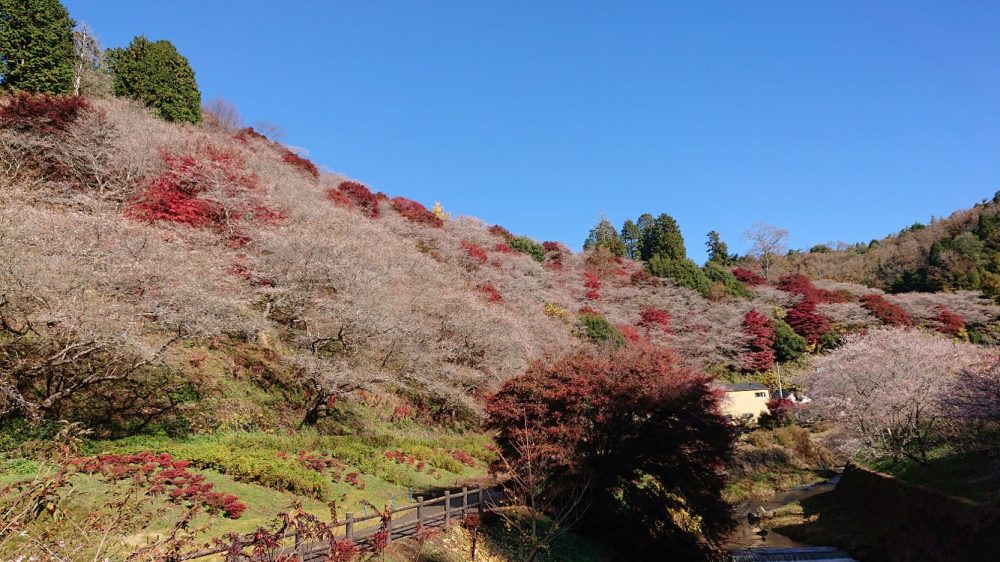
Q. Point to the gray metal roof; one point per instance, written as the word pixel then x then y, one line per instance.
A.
pixel 743 386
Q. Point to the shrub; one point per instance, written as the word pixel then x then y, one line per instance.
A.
pixel 304 165
pixel 500 231
pixel 630 333
pixel 640 426
pixel 948 322
pixel 597 329
pixel 788 346
pixel 528 246
pixel 210 189
pixel 165 476
pixel 780 412
pixel 503 248
pixel 888 313
pixel 715 272
pixel 41 113
pixel 800 284
pixel 760 331
pixel 359 196
pixel 643 278
pixel 491 293
pixel 475 252
pixel 554 310
pixel 682 271
pixel 806 322
pixel 748 277
pixel 552 247
pixel 654 318
pixel 415 212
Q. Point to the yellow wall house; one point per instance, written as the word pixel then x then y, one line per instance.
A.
pixel 745 401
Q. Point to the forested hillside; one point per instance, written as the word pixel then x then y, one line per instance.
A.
pixel 193 308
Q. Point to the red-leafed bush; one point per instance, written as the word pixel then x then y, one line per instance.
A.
pixel 304 165
pixel 164 476
pixel 780 412
pixel 593 295
pixel 358 196
pixel 41 113
pixel 638 411
pixel 806 322
pixel 643 278
pixel 888 313
pixel 591 281
pixel 500 231
pixel 800 284
pixel 504 248
pixel 587 310
pixel 415 212
pixel 654 318
pixel 248 133
pixel 491 293
pixel 354 479
pixel 760 331
pixel 552 246
pixel 948 322
pixel 748 277
pixel 209 189
pixel 630 333
pixel 475 252
pixel 342 550
pixel 463 457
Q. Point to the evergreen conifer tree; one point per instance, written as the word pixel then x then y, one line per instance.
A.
pixel 36 46
pixel 154 73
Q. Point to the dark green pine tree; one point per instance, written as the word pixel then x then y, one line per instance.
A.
pixel 605 236
pixel 718 251
pixel 632 238
pixel 154 73
pixel 662 238
pixel 36 46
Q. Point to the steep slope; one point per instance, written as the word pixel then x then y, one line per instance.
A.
pixel 162 261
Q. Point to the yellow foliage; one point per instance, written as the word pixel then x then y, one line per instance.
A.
pixel 554 310
pixel 439 212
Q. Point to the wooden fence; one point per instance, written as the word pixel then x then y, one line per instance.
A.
pixel 437 512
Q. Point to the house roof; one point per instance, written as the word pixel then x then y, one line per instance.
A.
pixel 742 386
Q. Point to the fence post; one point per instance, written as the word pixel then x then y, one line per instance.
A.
pixel 298 543
pixel 479 506
pixel 420 510
pixel 349 526
pixel 447 508
pixel 388 529
pixel 465 501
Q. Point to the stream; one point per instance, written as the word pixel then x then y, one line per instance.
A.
pixel 750 535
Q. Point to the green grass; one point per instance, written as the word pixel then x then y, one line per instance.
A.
pixel 823 520
pixel 971 476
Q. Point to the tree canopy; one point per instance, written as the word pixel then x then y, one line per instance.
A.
pixel 36 46
pixel 637 424
pixel 154 73
pixel 605 236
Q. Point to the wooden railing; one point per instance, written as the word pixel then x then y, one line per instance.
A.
pixel 405 520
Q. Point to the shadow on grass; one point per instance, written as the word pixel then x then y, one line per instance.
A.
pixel 827 521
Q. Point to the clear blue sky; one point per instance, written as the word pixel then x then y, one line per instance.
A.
pixel 840 120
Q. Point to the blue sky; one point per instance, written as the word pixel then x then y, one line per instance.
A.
pixel 840 120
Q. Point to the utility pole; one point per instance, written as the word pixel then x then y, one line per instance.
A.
pixel 777 366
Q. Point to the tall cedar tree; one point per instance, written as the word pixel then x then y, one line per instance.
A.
pixel 718 251
pixel 36 46
pixel 154 73
pixel 662 237
pixel 605 236
pixel 642 428
pixel 632 238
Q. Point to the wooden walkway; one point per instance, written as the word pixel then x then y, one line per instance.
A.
pixel 437 512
